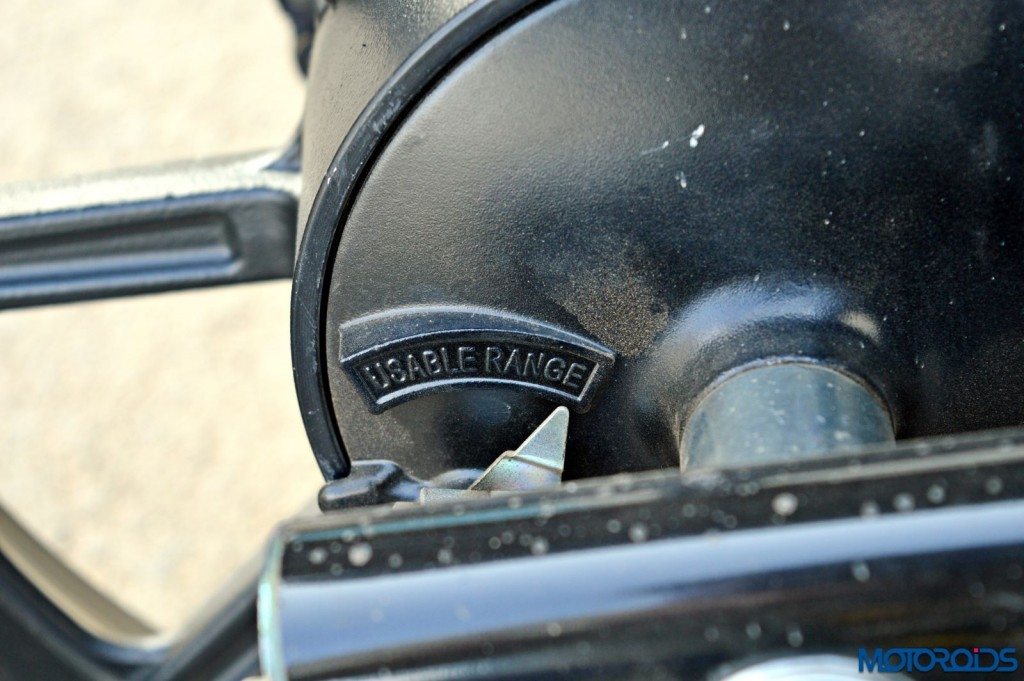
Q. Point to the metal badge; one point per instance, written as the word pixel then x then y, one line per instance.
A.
pixel 455 348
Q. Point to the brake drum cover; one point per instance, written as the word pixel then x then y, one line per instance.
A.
pixel 606 204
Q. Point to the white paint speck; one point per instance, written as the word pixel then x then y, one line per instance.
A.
pixel 696 135
pixel 936 494
pixel 869 509
pixel 653 150
pixel 539 546
pixel 860 570
pixel 786 25
pixel 785 504
pixel 681 179
pixel 994 485
pixel 794 636
pixel 903 502
pixel 360 554
pixel 637 532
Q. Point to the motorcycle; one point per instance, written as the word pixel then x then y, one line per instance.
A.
pixel 633 340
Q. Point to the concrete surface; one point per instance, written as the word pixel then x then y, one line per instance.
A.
pixel 152 441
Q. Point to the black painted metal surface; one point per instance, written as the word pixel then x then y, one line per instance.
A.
pixel 661 576
pixel 42 635
pixel 39 641
pixel 695 186
pixel 220 644
pixel 363 94
pixel 146 230
pixel 358 46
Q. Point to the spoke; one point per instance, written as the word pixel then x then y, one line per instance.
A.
pixel 185 225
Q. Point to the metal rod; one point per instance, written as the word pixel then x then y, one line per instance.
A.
pixel 782 412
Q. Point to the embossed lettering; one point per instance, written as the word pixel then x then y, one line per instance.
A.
pixel 431 361
pixel 554 369
pixel 532 365
pixel 412 365
pixel 492 358
pixel 513 362
pixel 395 370
pixel 380 382
pixel 467 359
pixel 573 375
pixel 391 375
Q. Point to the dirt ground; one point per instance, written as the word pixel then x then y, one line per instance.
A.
pixel 152 441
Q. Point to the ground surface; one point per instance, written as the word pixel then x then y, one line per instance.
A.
pixel 152 441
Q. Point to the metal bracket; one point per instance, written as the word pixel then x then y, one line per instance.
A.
pixel 170 227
